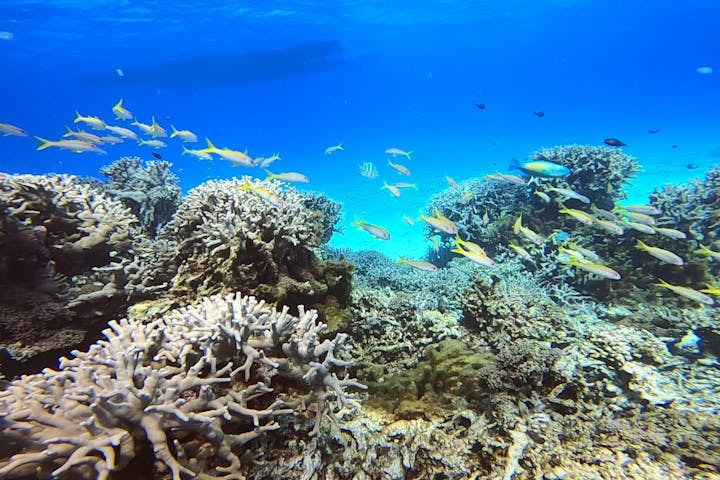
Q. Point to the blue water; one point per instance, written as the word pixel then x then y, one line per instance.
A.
pixel 298 77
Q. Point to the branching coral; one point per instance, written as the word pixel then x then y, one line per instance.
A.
pixel 215 376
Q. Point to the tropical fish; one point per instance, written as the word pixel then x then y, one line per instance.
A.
pixel 653 131
pixel 290 177
pixel 480 258
pixel 604 214
pixel 440 222
pixel 419 264
pixel 368 170
pixel 568 193
pixel 143 127
pixel 671 233
pixel 122 131
pixel 639 218
pixel 121 113
pixel 93 122
pixel 640 227
pixel 643 209
pixel 157 155
pixel 396 151
pixel 542 195
pixel 614 142
pixel 402 169
pixel 111 139
pixel 703 250
pixel 506 177
pixel 408 220
pixel 712 290
pixel 152 143
pixel 184 135
pixel 8 129
pixel 333 149
pixel 391 188
pixel 466 197
pixel 374 230
pixel 609 226
pixel 485 218
pixel 82 135
pixel 233 156
pixel 704 70
pixel 451 182
pixel 597 269
pixel 265 162
pixel 480 106
pixel 405 185
pixel 469 246
pixel 197 153
pixel 268 195
pixel 77 146
pixel 540 168
pixel 579 215
pixel 521 251
pixel 539 114
pixel 531 235
pixel 586 253
pixel 661 254
pixel 517 225
pixel 156 130
pixel 687 292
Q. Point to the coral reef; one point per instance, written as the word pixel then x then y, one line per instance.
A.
pixel 195 388
pixel 327 212
pixel 150 191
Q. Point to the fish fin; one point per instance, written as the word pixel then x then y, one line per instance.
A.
pixel 45 143
pixel 210 144
pixel 409 154
pixel 270 175
pixel 78 117
pixel 514 164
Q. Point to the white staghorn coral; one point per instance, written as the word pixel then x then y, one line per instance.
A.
pixel 213 373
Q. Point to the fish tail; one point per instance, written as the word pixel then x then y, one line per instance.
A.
pixel 68 132
pixel 44 143
pixel 78 117
pixel 174 131
pixel 210 144
pixel 402 260
pixel 514 164
pixel 270 175
pixel 185 150
pixel 641 245
pixel 119 103
pixel 409 154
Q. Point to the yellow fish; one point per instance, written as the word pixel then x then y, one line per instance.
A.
pixel 665 255
pixel 396 151
pixel 77 146
pixel 703 250
pixel 579 215
pixel 480 258
pixel 156 130
pixel 521 251
pixel 268 195
pixel 374 230
pixel 184 135
pixel 391 188
pixel 671 233
pixel 419 264
pixel 470 246
pixel 152 143
pixel 530 235
pixel 687 292
pixel 402 169
pixel 506 177
pixel 291 177
pixel 440 222
pixel 466 197
pixel 196 153
pixel 121 113
pixel 597 269
pixel 233 156
pixel 93 122
pixel 123 132
pixel 517 225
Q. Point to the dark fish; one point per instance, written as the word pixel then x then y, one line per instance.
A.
pixel 691 166
pixel 480 106
pixel 539 114
pixel 674 146
pixel 653 130
pixel 614 142
pixel 157 155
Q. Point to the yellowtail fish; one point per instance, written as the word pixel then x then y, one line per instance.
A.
pixel 111 139
pixel 466 197
pixel 419 264
pixel 687 292
pixel 661 254
pixel 143 127
pixel 152 143
pixel 290 177
pixel 703 250
pixel 440 222
pixel 506 177
pixel 521 251
pixel 599 212
pixel 469 246
pixel 671 233
pixel 579 215
pixel 530 235
pixel 451 182
pixel 267 195
pixel 639 218
pixel 586 253
pixel 121 113
pixel 609 226
pixel 265 162
pixel 122 131
pixel 77 146
pixel 405 185
pixel 712 290
pixel 597 269
pixel 333 149
pixel 391 188
pixel 93 122
pixel 408 220
pixel 639 227
pixel 517 225
pixel 184 135
pixel 156 130
pixel 374 230
pixel 645 209
pixel 568 193
pixel 83 135
pixel 197 153
pixel 479 258
pixel 540 168
pixel 396 151
pixel 8 129
pixel 566 255
pixel 402 169
pixel 542 195
pixel 233 156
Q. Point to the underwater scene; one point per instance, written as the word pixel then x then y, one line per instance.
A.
pixel 442 240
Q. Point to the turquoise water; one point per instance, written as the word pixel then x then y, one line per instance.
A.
pixel 297 77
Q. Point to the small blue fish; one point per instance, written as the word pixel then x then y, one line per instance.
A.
pixel 540 168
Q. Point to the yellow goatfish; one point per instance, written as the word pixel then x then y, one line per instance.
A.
pixel 184 135
pixel 640 227
pixel 609 226
pixel 77 146
pixel 8 129
pixel 93 122
pixel 402 169
pixel 374 230
pixel 290 177
pixel 506 177
pixel 661 254
pixel 568 193
pixel 156 130
pixel 396 151
pixel 542 195
pixel 531 235
pixel 639 218
pixel 517 225
pixel 596 268
pixel 391 188
pixel 671 233
pixel 111 139
pixel 646 209
pixel 521 251
pixel 121 113
pixel 152 143
pixel 703 250
pixel 83 135
pixel 122 131
pixel 440 222
pixel 233 156
pixel 144 127
pixel 579 215
pixel 268 195
pixel 687 292
pixel 419 264
pixel 480 258
pixel 466 197
pixel 469 246
pixel 197 153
